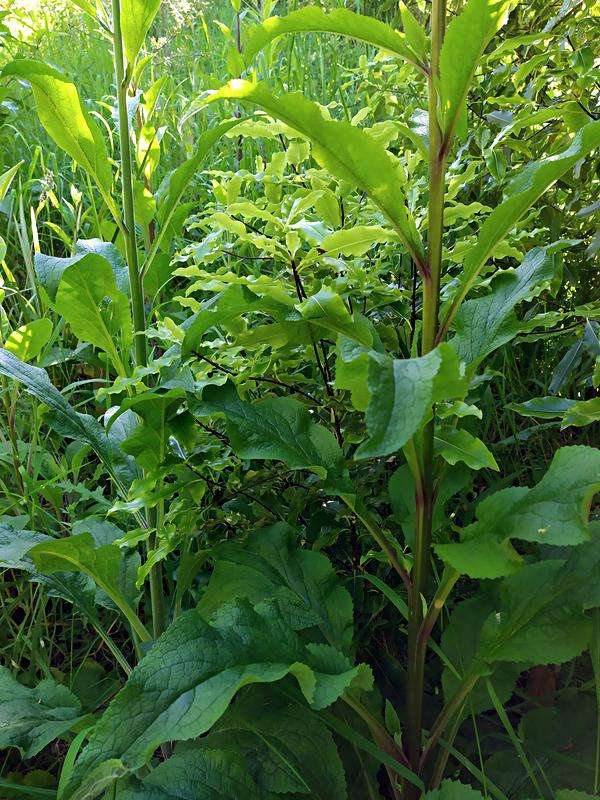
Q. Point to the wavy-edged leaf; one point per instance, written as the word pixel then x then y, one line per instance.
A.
pixel 457 444
pixel 67 421
pixel 66 120
pixel 268 565
pixel 453 790
pixel 346 151
pixel 188 679
pixel 465 40
pixel 486 323
pixel 277 428
pixel 554 512
pixel 313 19
pixel 522 192
pixel 30 718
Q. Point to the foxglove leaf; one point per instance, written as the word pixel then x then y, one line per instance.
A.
pixel 554 512
pixel 187 680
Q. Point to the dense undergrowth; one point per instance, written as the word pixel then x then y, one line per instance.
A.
pixel 299 377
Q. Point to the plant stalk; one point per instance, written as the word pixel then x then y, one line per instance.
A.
pixel 135 280
pixel 425 494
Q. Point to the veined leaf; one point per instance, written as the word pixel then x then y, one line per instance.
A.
pixel 345 151
pixel 7 178
pixel 453 790
pixel 278 428
pixel 583 412
pixel 67 122
pixel 66 420
pixel 524 189
pixel 313 19
pixel 400 391
pixel 136 18
pixel 465 40
pixel 554 512
pixel 50 269
pixel 357 240
pixel 486 323
pixel 456 444
pixel 188 679
pixel 88 298
pixel 267 566
pixel 31 718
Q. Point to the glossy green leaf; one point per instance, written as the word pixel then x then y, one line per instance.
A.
pixel 66 120
pixel 98 313
pixel 278 428
pixel 188 679
pixel 356 241
pixel 342 21
pixel 465 40
pixel 27 341
pixel 345 151
pixel 543 407
pixel 522 192
pixel 456 444
pixel 326 310
pixel 583 412
pixel 486 323
pixel 554 512
pixel 30 718
pixel 268 565
pixel 136 19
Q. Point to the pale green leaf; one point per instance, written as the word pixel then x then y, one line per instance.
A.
pixel 28 341
pixel 345 151
pixel 136 19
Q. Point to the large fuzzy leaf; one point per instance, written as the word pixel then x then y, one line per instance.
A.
pixel 344 150
pixel 486 323
pixel 50 269
pixel 313 19
pixel 554 512
pixel 269 565
pixel 464 42
pixel 522 192
pixel 187 680
pixel 66 120
pixel 31 718
pixel 279 429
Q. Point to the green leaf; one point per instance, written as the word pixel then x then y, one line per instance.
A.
pixel 466 38
pixel 327 310
pixel 543 407
pixel 136 18
pixel 31 718
pixel 66 121
pixel 486 323
pixel 401 391
pixel 522 192
pixel 67 421
pixel 356 241
pixel 278 428
pixel 188 679
pixel 313 19
pixel 50 269
pixel 7 178
pixel 583 412
pixel 554 512
pixel 347 152
pixel 268 565
pixel 456 444
pixel 27 342
pixel 453 790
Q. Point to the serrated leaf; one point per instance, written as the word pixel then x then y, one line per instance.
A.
pixel 554 512
pixel 268 565
pixel 278 428
pixel 345 151
pixel 31 718
pixel 453 790
pixel 313 19
pixel 188 679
